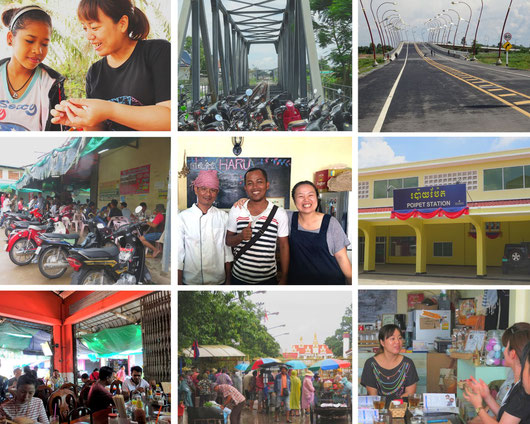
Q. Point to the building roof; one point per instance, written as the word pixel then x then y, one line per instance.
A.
pixel 215 351
pixel 443 162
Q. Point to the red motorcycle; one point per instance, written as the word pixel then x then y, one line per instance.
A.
pixel 22 245
pixel 288 117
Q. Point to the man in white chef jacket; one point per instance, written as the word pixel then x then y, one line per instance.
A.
pixel 203 256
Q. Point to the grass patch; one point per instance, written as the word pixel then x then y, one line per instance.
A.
pixel 517 60
pixel 366 62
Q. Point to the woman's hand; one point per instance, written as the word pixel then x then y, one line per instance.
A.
pixel 473 397
pixel 86 113
pixel 240 203
pixel 479 387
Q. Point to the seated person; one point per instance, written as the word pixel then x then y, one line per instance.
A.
pixel 155 231
pixel 99 396
pixel 135 383
pixel 24 404
pixel 389 373
pixel 513 409
pixel 56 380
pixel 85 379
pixel 12 382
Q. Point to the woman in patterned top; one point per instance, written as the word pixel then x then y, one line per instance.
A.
pixel 24 404
pixel 389 373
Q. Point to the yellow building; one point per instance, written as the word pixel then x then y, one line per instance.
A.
pixel 498 198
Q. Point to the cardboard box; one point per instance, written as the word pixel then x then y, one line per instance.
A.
pixel 321 177
pixel 435 362
pixel 419 306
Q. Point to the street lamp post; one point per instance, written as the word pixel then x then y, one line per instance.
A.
pixel 476 31
pixel 450 25
pixel 379 21
pixel 384 19
pixel 457 22
pixel 370 31
pixel 446 25
pixel 378 29
pixel 469 21
pixel 499 61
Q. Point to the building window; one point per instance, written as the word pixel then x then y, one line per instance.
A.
pixel 469 178
pixel 385 188
pixel 403 246
pixel 443 248
pixel 509 178
pixel 13 175
pixel 364 189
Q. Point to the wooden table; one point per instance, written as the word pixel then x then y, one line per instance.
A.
pixel 98 417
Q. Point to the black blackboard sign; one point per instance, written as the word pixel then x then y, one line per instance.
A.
pixel 374 303
pixel 231 171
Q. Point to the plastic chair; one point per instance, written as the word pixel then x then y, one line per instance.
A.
pixel 79 412
pixel 118 221
pixel 77 221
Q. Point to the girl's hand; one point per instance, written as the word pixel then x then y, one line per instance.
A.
pixel 59 115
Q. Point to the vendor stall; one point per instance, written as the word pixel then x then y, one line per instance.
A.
pixel 447 339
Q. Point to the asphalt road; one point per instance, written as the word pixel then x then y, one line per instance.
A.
pixel 443 94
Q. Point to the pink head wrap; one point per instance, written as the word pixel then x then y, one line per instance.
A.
pixel 207 179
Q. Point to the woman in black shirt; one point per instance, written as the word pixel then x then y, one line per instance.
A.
pixel 129 88
pixel 515 407
pixel 389 373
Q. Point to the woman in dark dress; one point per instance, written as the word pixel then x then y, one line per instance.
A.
pixel 389 373
pixel 515 407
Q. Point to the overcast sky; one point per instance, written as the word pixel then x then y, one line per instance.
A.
pixel 417 12
pixel 26 151
pixel 262 56
pixel 304 313
pixel 380 151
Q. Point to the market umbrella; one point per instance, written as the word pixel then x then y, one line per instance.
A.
pixel 329 364
pixel 262 362
pixel 296 365
pixel 242 366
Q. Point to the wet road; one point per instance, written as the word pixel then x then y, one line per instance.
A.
pixel 443 94
pixel 28 274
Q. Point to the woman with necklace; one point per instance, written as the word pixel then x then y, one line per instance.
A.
pixel 24 404
pixel 28 88
pixel 389 373
pixel 513 409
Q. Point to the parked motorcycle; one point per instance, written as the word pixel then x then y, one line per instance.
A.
pixel 53 252
pixel 123 264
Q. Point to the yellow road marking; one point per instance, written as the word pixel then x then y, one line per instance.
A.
pixel 524 102
pixel 453 72
pixel 508 95
pixel 487 85
pixel 496 89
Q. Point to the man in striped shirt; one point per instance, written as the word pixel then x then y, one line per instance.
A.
pixel 231 396
pixel 258 264
pixel 24 404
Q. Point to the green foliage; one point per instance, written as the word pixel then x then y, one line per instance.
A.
pixel 227 318
pixel 518 60
pixel 333 26
pixel 69 53
pixel 187 47
pixel 335 342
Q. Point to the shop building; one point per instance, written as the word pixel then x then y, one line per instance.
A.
pixel 497 212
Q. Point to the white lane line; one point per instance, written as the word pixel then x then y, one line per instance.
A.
pixel 386 106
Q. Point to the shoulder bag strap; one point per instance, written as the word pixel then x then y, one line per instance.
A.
pixel 256 236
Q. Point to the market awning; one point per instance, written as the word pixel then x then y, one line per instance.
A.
pixel 19 338
pixel 215 351
pixel 59 161
pixel 112 341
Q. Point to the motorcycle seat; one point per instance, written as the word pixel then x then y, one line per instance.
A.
pixel 99 253
pixel 25 224
pixel 37 227
pixel 297 123
pixel 58 236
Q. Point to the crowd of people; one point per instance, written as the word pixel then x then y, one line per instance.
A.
pixel 263 390
pixel 133 71
pixel 393 375
pixel 17 395
pixel 240 247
